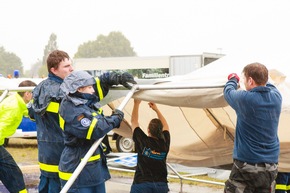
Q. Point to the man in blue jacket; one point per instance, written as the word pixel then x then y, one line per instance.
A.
pixel 256 145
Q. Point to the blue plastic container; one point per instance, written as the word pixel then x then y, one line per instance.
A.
pixel 27 125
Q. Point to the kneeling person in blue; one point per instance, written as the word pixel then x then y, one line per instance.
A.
pixel 84 124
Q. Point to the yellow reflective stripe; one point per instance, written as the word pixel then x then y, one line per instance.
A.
pixel 288 187
pixel 23 191
pixel 281 187
pixel 48 167
pixel 64 175
pixel 92 126
pixel 94 114
pixel 61 122
pixel 53 107
pixel 100 91
pixel 94 158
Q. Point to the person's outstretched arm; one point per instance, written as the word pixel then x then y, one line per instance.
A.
pixel 153 106
pixel 135 114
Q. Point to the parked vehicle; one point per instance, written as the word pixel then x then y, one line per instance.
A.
pixel 123 144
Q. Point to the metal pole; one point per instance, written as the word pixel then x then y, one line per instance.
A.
pixel 94 147
pixel 16 89
pixel 164 87
pixel 3 95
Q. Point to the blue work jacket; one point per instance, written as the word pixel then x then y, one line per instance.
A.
pixel 258 111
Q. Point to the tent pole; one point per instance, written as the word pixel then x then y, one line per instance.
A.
pixel 3 95
pixel 164 87
pixel 94 147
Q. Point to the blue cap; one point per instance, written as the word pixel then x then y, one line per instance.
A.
pixel 16 73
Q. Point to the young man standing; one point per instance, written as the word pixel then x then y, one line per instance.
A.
pixel 46 101
pixel 256 145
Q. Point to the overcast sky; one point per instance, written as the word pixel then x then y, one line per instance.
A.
pixel 154 27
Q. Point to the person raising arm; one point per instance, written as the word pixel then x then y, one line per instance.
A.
pixel 152 150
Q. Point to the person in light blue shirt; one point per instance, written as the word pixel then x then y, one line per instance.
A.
pixel 256 146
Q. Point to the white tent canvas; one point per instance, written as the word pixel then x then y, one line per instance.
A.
pixel 201 122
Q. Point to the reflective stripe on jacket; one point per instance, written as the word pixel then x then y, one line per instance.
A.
pixel 47 97
pixel 83 126
pixel 46 100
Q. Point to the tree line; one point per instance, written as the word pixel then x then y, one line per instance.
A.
pixel 115 44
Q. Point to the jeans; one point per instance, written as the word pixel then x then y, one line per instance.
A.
pixel 10 174
pixel 150 187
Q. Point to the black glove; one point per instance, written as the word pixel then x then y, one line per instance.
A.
pixel 127 78
pixel 119 115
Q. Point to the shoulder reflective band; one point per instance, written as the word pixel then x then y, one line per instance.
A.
pixel 91 128
pixel 48 167
pixel 53 107
pixel 100 91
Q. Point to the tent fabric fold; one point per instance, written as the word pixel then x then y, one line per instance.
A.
pixel 202 125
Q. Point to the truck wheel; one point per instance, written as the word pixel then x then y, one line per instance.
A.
pixel 124 144
pixel 6 141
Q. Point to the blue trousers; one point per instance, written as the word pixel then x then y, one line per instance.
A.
pixel 283 182
pixel 49 185
pixel 10 174
pixel 150 187
pixel 101 188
